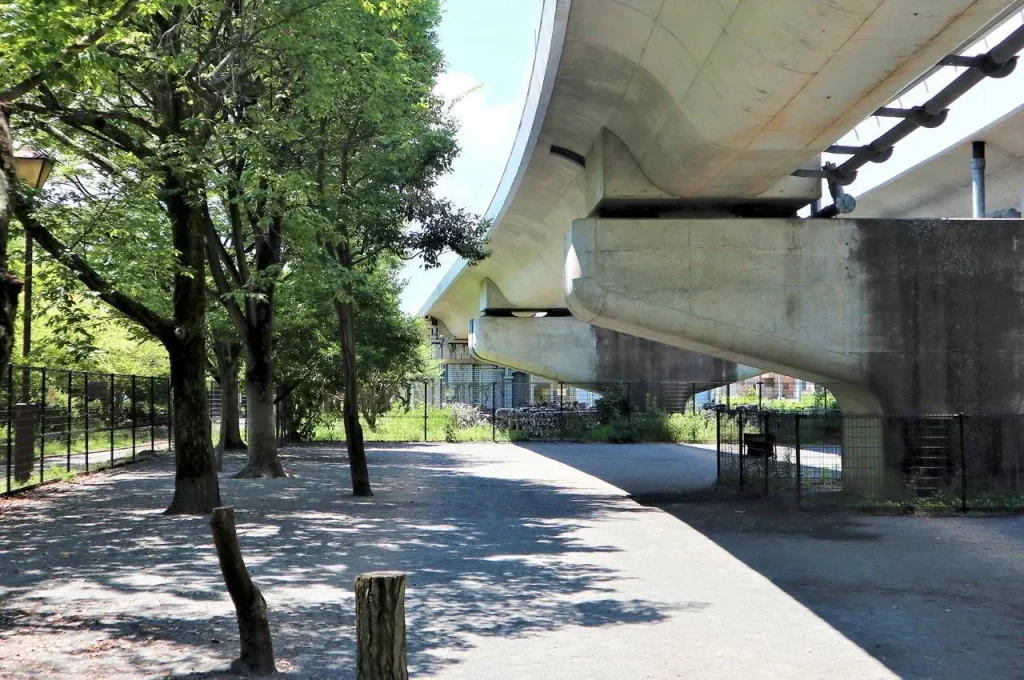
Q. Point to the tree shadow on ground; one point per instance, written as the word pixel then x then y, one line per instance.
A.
pixel 926 596
pixel 95 581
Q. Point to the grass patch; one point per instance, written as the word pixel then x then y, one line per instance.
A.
pixel 441 426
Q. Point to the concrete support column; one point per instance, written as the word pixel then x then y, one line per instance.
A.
pixel 895 317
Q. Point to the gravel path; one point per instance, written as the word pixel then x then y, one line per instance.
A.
pixel 521 567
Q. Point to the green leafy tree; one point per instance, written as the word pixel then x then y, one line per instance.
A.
pixel 383 142
pixel 43 40
pixel 140 114
pixel 393 352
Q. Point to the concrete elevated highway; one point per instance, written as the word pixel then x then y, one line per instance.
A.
pixel 650 203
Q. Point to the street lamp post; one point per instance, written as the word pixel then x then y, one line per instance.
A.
pixel 33 167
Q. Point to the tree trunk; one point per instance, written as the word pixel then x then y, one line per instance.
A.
pixel 286 416
pixel 228 355
pixel 260 386
pixel 380 626
pixel 196 489
pixel 350 408
pixel 10 286
pixel 257 647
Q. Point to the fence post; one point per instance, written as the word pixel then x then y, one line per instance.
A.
pixel 152 417
pixel 799 471
pixel 425 410
pixel 85 382
pixel 728 397
pixel 134 414
pixel 494 411
pixel 963 466
pixel 111 419
pixel 42 424
pixel 71 386
pixel 768 448
pixel 760 395
pixel 739 418
pixel 10 421
pixel 561 409
pixel 257 647
pixel 718 445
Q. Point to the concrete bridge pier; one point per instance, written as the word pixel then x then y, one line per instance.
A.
pixel 896 317
pixel 552 344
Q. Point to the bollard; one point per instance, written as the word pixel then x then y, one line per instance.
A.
pixel 24 441
pixel 380 626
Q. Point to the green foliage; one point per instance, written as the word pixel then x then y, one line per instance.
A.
pixel 73 330
pixel 393 349
pixel 613 405
pixel 821 399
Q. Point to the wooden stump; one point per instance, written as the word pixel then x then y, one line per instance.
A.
pixel 380 626
pixel 257 649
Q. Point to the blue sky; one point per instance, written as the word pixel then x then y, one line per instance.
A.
pixel 489 45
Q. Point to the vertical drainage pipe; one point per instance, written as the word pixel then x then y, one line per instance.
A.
pixel 978 179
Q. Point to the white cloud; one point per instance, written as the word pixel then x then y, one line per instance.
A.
pixel 486 136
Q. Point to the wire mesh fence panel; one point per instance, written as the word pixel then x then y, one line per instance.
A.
pixel 819 456
pixel 802 450
pixel 991 461
pixel 729 431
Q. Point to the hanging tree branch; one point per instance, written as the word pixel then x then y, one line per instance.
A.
pixel 39 77
pixel 133 309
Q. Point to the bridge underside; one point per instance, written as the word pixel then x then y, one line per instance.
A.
pixel 716 103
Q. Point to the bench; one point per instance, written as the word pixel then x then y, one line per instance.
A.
pixel 759 445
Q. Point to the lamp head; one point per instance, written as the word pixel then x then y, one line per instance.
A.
pixel 33 165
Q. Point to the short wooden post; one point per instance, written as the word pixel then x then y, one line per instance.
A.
pixel 380 626
pixel 257 649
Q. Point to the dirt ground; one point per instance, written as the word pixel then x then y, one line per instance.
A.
pixel 524 562
pixel 930 597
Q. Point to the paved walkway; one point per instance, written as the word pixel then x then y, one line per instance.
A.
pixel 521 567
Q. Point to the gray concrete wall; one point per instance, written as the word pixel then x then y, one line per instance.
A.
pixel 894 316
pixel 566 349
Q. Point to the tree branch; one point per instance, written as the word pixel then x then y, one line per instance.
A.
pixel 102 162
pixel 92 122
pixel 220 279
pixel 158 326
pixel 39 77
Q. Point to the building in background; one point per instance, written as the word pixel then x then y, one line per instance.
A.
pixel 468 380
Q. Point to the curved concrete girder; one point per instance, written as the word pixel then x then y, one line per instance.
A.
pixel 901 317
pixel 714 99
pixel 571 351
